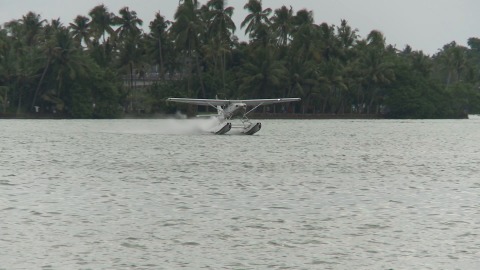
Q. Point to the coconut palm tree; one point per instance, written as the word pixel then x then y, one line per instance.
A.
pixel 129 23
pixel 158 39
pixel 221 28
pixel 257 19
pixel 376 39
pixel 101 23
pixel 261 75
pixel 49 48
pixel 32 24
pixel 346 35
pixel 8 68
pixel 102 35
pixel 80 30
pixel 306 36
pixel 377 71
pixel 453 62
pixel 282 25
pixel 68 67
pixel 25 36
pixel 128 35
pixel 186 30
pixel 220 19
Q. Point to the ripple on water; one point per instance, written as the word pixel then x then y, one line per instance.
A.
pixel 128 194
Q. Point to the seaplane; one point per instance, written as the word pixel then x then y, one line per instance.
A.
pixel 229 110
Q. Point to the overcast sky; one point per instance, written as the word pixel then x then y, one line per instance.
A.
pixel 423 24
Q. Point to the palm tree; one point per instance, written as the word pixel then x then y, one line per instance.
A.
pixel 158 37
pixel 376 39
pixel 8 68
pixel 101 23
pixel 25 36
pixel 68 67
pixel 32 24
pixel 306 36
pixel 303 56
pixel 333 86
pixel 186 26
pixel 421 63
pixel 220 19
pixel 346 35
pixel 282 25
pixel 49 48
pixel 304 81
pixel 377 71
pixel 261 75
pixel 453 61
pixel 129 23
pixel 221 28
pixel 186 31
pixel 347 38
pixel 102 35
pixel 128 34
pixel 80 30
pixel 257 20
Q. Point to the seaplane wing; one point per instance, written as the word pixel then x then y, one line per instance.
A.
pixel 224 102
pixel 256 102
pixel 205 102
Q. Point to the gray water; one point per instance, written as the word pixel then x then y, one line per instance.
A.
pixel 318 194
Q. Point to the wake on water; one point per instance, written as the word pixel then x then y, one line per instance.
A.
pixel 192 126
pixel 164 126
pixel 188 126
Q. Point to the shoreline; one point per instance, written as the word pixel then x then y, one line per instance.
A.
pixel 256 116
pixel 41 116
pixel 313 116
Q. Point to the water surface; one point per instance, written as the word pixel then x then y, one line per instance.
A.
pixel 300 194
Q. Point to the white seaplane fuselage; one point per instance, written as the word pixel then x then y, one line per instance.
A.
pixel 228 110
pixel 234 110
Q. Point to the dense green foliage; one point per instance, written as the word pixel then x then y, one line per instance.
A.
pixel 91 67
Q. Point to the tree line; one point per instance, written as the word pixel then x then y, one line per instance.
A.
pixel 89 68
